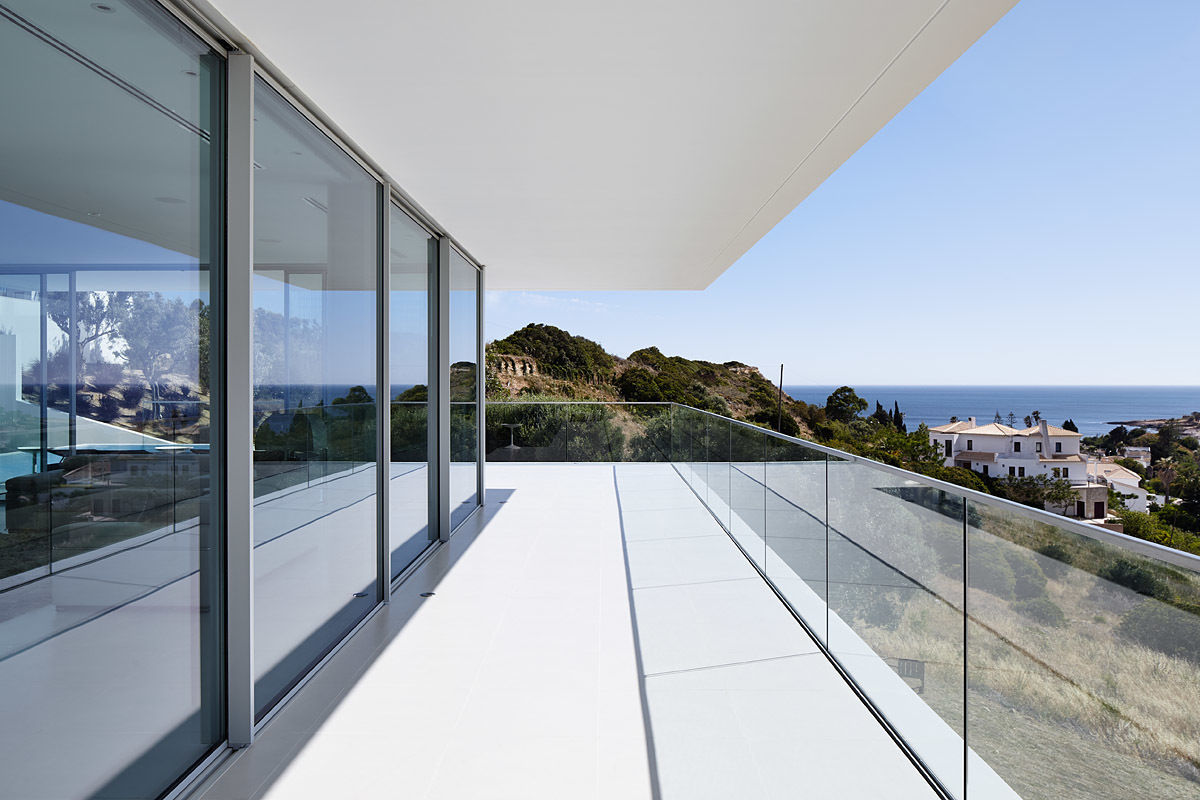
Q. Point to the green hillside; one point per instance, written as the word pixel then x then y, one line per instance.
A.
pixel 545 362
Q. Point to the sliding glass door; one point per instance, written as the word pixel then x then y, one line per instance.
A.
pixel 412 262
pixel 464 396
pixel 316 262
pixel 111 554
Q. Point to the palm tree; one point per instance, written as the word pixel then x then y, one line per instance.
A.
pixel 1165 471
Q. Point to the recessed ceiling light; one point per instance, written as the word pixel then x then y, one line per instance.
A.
pixel 190 73
pixel 169 200
pixel 258 165
pixel 317 204
pixel 93 213
pixel 269 241
pixel 104 8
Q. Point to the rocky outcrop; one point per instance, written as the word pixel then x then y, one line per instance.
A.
pixel 514 366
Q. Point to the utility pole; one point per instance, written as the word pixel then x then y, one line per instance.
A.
pixel 779 423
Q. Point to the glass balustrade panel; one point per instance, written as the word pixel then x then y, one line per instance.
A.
pixel 896 593
pixel 1083 663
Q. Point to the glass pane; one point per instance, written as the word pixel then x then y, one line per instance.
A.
pixel 528 431
pixel 648 431
pixel 413 257
pixel 695 425
pixel 315 261
pixel 616 432
pixel 747 490
pixel 111 664
pixel 896 605
pixel 795 535
pixel 716 479
pixel 464 360
pixel 1083 662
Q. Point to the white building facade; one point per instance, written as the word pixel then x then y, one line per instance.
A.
pixel 997 450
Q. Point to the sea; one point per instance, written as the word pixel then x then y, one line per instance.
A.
pixel 1093 408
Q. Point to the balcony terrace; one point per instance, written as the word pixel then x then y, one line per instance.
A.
pixel 594 632
pixel 744 614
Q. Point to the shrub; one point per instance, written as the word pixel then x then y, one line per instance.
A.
pixel 131 396
pixel 1041 610
pixel 1136 577
pixel 108 409
pixel 1059 557
pixel 1167 629
pixel 639 385
pixel 106 375
pixel 1028 579
pixel 1057 552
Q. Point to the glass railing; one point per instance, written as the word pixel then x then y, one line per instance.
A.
pixel 120 487
pixel 304 446
pixel 61 502
pixel 578 431
pixel 1015 652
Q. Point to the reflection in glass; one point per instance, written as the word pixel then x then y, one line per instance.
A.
pixel 578 432
pixel 896 600
pixel 111 666
pixel 1083 663
pixel 795 529
pixel 464 409
pixel 315 261
pixel 413 256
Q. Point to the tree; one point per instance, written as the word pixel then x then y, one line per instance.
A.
pixel 881 415
pixel 557 352
pixel 1070 425
pixel 998 419
pixel 1012 420
pixel 1028 421
pixel 1166 470
pixel 639 385
pixel 844 405
pixel 1060 493
pixel 1037 491
pixel 203 315
pixel 898 418
pixel 1164 444
pixel 1037 417
pixel 158 334
pixel 356 396
pixel 1131 465
pixel 97 315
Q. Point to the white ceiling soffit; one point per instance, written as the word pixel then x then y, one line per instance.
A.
pixel 628 144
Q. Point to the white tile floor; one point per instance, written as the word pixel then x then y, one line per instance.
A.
pixel 594 634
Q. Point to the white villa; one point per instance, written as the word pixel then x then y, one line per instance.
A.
pixel 1123 480
pixel 997 450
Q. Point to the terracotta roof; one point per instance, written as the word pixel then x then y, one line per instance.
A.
pixel 992 429
pixel 952 427
pixel 1053 430
pixel 1114 472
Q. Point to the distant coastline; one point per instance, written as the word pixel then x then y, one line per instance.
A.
pixel 1188 426
pixel 1092 408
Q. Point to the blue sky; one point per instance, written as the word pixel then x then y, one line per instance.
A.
pixel 1033 217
